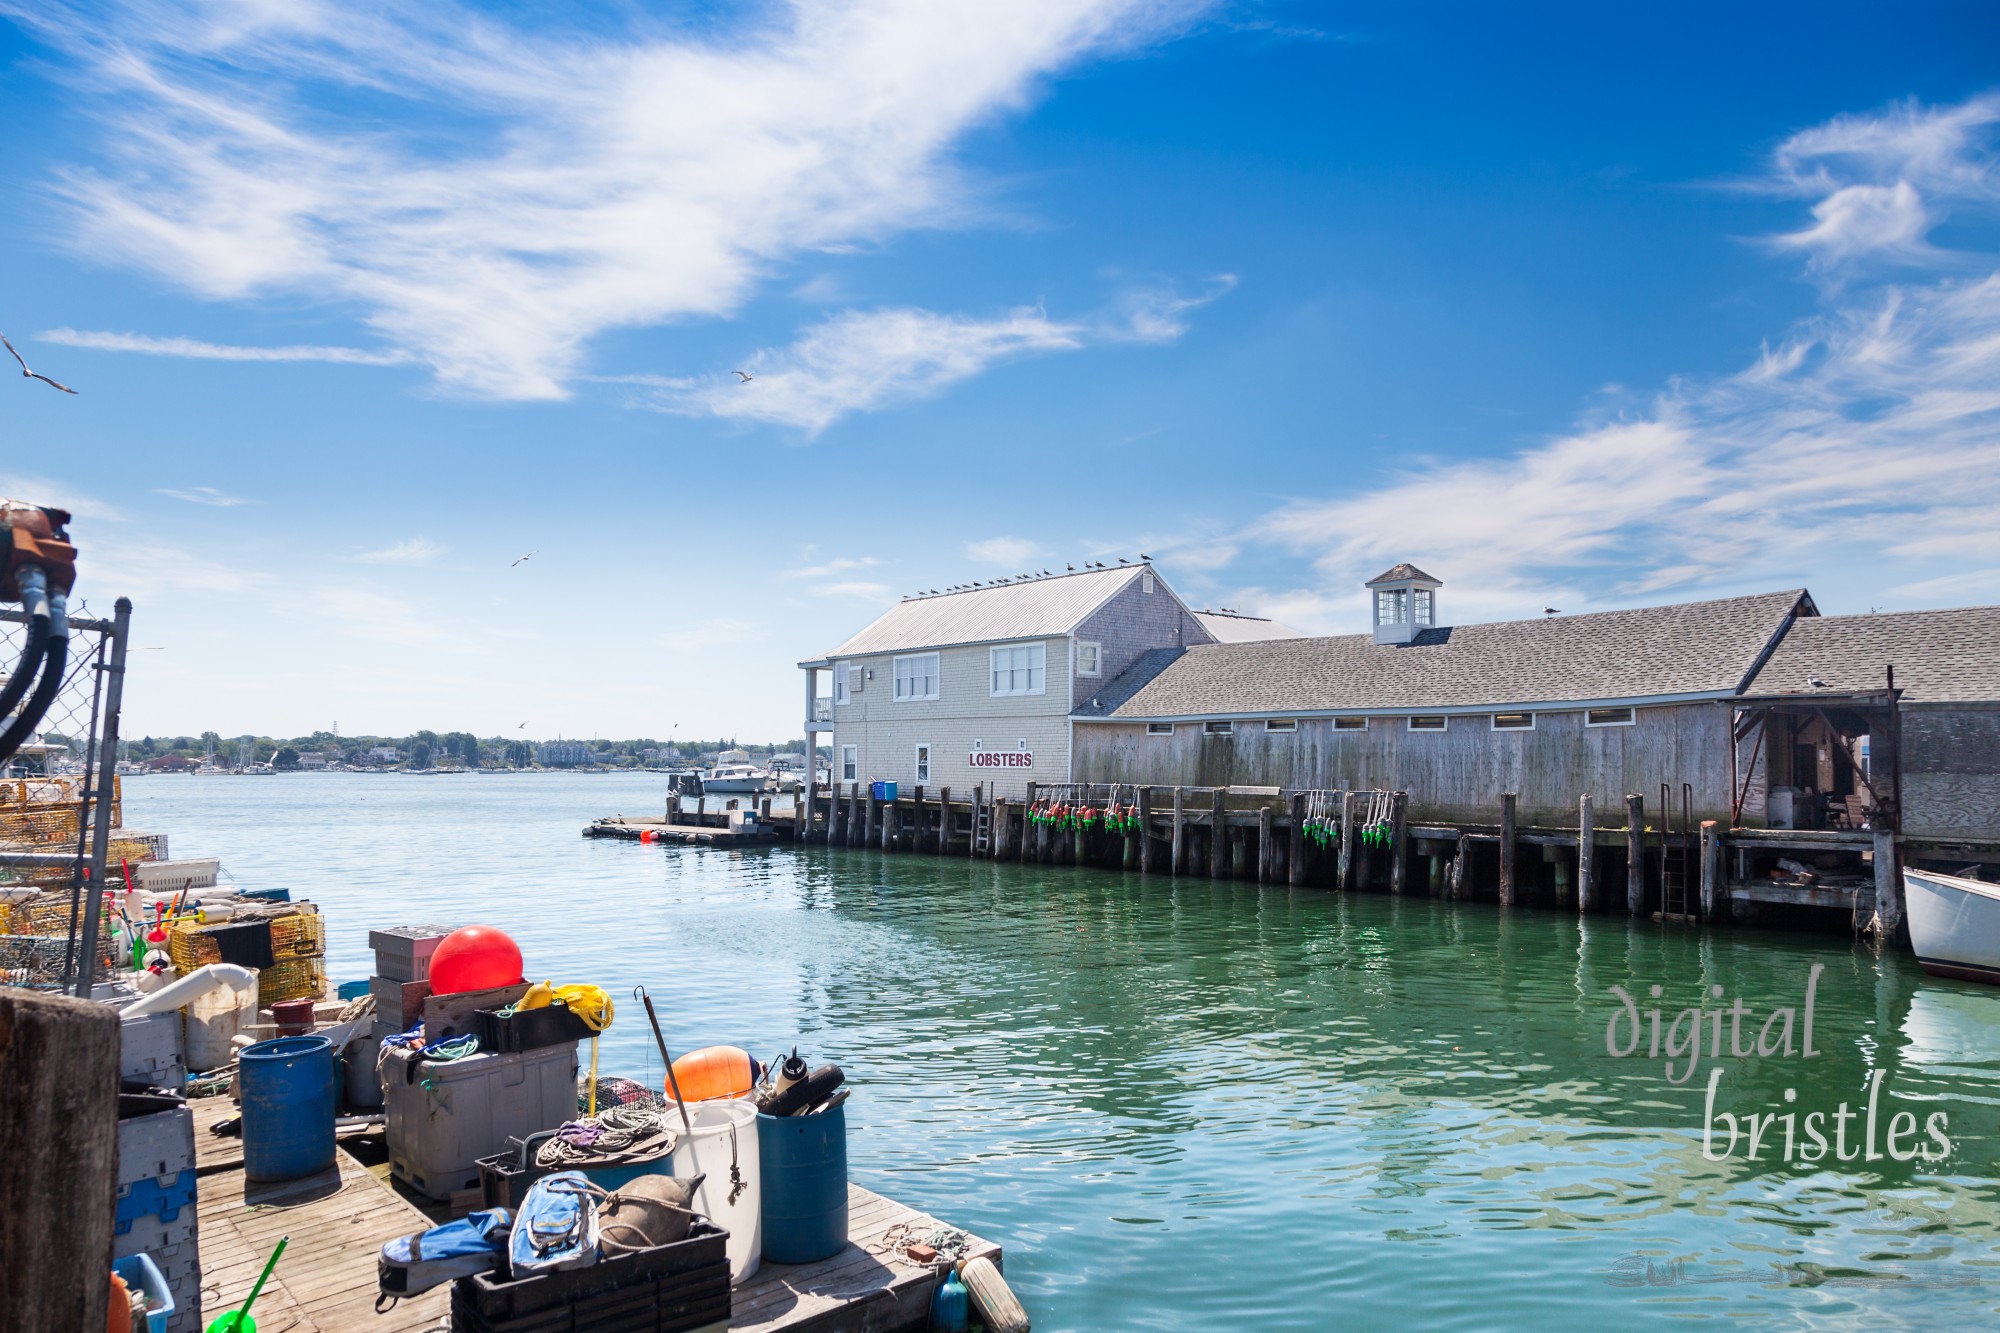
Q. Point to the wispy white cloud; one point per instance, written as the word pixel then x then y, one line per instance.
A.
pixel 867 592
pixel 193 349
pixel 866 360
pixel 533 189
pixel 862 361
pixel 1870 436
pixel 203 495
pixel 1009 551
pixel 409 551
pixel 837 565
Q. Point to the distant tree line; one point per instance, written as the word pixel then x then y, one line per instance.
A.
pixel 431 749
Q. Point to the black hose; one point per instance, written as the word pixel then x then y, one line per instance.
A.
pixel 35 597
pixel 55 660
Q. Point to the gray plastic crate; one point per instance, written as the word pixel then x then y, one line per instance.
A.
pixel 150 1051
pixel 403 953
pixel 156 1145
pixel 443 1116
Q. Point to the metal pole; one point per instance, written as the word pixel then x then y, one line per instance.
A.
pixel 76 878
pixel 107 775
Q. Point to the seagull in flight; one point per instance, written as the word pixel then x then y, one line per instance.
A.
pixel 529 556
pixel 34 374
pixel 522 727
pixel 742 376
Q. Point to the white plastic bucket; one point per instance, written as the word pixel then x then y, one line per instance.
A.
pixel 214 1021
pixel 726 1130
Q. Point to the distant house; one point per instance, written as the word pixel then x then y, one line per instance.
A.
pixel 311 759
pixel 562 754
pixel 976 685
pixel 169 763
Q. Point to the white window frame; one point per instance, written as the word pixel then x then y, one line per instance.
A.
pixel 1430 722
pixel 840 693
pixel 1529 725
pixel 1423 606
pixel 913 677
pixel 923 761
pixel 1035 669
pixel 850 763
pixel 1219 727
pixel 1159 728
pixel 1281 724
pixel 1631 716
pixel 1095 653
pixel 1350 724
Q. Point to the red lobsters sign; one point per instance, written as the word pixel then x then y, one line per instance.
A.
pixel 1001 759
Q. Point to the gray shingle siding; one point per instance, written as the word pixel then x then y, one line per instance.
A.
pixel 1129 625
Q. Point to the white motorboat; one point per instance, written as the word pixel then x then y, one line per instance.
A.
pixel 736 779
pixel 1954 925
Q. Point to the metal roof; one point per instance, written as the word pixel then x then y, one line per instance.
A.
pixel 1940 656
pixel 1229 627
pixel 1693 649
pixel 1032 608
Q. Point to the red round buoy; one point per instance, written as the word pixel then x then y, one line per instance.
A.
pixel 475 958
pixel 645 835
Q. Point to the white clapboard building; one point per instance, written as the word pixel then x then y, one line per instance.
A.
pixel 976 685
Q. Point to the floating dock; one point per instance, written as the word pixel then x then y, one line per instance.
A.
pixel 660 830
pixel 339 1219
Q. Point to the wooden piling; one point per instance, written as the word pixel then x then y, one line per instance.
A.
pixel 1295 863
pixel 892 819
pixel 1888 886
pixel 1635 854
pixel 1027 824
pixel 873 810
pixel 1265 852
pixel 1461 869
pixel 972 837
pixel 803 812
pixel 1711 863
pixel 1179 861
pixel 1000 844
pixel 1346 841
pixel 944 821
pixel 1147 851
pixel 58 1159
pixel 1586 854
pixel 1218 837
pixel 1399 804
pixel 836 819
pixel 1508 809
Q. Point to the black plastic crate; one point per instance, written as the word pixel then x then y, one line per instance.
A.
pixel 529 1029
pixel 497 1303
pixel 503 1181
pixel 694 1300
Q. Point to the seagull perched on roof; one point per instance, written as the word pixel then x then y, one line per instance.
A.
pixel 529 556
pixel 1815 683
pixel 34 374
pixel 1551 611
pixel 743 376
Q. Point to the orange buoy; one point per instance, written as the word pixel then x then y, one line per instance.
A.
pixel 475 958
pixel 712 1072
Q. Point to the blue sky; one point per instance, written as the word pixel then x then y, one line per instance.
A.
pixel 1573 306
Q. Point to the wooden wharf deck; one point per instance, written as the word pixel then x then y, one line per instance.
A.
pixel 339 1219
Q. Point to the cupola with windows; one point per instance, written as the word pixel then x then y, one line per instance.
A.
pixel 1404 601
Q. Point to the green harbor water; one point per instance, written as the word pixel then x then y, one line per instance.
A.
pixel 1189 1105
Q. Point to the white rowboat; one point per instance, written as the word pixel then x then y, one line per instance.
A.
pixel 1954 925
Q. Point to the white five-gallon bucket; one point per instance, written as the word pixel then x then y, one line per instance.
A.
pixel 213 1022
pixel 726 1131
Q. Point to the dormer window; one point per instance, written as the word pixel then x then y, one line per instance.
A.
pixel 1405 603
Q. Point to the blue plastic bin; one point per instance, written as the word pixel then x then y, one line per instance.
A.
pixel 353 990
pixel 803 1159
pixel 142 1274
pixel 288 1096
pixel 884 791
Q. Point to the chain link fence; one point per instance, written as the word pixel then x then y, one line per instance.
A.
pixel 60 822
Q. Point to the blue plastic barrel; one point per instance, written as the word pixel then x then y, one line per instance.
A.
pixel 804 1164
pixel 287 1093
